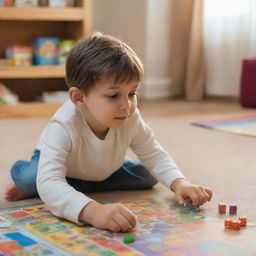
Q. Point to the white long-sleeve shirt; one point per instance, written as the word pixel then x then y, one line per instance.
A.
pixel 70 148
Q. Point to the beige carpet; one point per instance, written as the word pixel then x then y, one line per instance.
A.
pixel 224 162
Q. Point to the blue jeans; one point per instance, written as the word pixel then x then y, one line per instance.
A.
pixel 130 176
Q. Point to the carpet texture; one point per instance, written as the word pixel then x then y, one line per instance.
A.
pixel 222 161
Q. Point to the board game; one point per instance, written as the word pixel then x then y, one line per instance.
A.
pixel 161 230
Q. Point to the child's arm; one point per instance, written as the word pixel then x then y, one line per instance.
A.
pixel 114 217
pixel 162 166
pixel 61 198
pixel 185 191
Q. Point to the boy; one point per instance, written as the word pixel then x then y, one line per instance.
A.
pixel 83 147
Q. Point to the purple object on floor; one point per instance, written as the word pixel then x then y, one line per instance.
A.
pixel 248 83
pixel 232 209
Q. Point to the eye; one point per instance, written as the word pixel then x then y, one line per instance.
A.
pixel 113 96
pixel 132 94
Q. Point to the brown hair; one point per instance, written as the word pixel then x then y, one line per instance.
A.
pixel 101 57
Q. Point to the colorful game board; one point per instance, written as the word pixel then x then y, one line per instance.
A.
pixel 244 125
pixel 161 230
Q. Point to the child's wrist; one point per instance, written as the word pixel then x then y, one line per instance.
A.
pixel 88 212
pixel 177 183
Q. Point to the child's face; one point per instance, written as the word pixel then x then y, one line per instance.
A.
pixel 109 105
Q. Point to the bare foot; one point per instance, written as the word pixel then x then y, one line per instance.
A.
pixel 13 194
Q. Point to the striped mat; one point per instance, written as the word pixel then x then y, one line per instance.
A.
pixel 243 125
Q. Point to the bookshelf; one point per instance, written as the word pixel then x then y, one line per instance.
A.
pixel 22 25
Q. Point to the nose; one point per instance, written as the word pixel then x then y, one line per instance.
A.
pixel 125 104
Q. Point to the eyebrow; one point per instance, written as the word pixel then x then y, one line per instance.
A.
pixel 112 87
pixel 116 87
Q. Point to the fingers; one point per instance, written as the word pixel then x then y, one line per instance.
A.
pixel 113 217
pixel 209 192
pixel 114 226
pixel 200 196
pixel 122 219
pixel 121 223
pixel 129 216
pixel 195 198
pixel 180 199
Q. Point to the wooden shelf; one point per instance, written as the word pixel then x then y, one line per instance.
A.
pixel 28 110
pixel 32 72
pixel 19 26
pixel 42 13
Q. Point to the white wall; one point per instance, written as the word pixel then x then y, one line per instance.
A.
pixel 157 49
pixel 144 25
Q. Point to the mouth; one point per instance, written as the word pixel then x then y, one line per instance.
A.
pixel 121 118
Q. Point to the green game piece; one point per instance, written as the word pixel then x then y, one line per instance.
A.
pixel 107 253
pixel 128 239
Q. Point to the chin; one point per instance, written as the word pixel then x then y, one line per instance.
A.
pixel 117 126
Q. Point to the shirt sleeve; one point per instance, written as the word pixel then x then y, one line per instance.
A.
pixel 156 160
pixel 61 198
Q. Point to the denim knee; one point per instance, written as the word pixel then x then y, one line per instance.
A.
pixel 24 176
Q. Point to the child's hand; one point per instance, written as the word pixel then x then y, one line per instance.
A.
pixel 185 191
pixel 113 217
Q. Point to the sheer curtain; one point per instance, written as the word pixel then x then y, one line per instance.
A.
pixel 229 37
pixel 187 56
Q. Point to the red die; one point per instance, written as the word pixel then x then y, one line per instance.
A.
pixel 222 208
pixel 243 221
pixel 236 224
pixel 228 223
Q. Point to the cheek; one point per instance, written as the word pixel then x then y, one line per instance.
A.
pixel 133 107
pixel 105 110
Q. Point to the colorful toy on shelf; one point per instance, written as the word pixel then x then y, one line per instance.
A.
pixel 20 55
pixel 58 3
pixel 5 3
pixel 45 51
pixel 7 96
pixel 6 62
pixel 64 48
pixel 26 3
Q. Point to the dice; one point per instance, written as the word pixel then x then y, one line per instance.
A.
pixel 222 208
pixel 232 223
pixel 236 224
pixel 243 221
pixel 228 223
pixel 232 209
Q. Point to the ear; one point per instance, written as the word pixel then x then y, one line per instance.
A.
pixel 76 96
